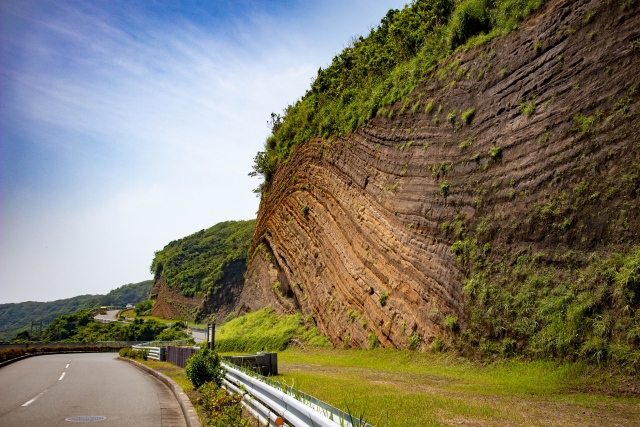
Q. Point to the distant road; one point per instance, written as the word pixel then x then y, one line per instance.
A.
pixel 198 337
pixel 46 390
pixel 109 317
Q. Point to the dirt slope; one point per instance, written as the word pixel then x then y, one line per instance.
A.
pixel 357 231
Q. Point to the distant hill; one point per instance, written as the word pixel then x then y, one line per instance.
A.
pixel 18 316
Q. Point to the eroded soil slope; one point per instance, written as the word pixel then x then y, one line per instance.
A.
pixel 526 145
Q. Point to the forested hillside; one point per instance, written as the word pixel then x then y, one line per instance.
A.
pixel 18 316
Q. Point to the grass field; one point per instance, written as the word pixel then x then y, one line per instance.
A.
pixel 399 388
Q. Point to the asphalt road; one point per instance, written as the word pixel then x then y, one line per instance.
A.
pixel 198 337
pixel 46 390
pixel 110 316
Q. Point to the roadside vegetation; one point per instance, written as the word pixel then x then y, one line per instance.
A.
pixel 196 264
pixel 378 69
pixel 201 380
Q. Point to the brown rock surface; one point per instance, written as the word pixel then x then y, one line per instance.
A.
pixel 348 220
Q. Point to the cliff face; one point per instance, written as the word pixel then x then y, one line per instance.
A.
pixel 525 145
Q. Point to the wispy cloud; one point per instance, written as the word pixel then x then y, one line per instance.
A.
pixel 124 130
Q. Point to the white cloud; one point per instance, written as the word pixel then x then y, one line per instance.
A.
pixel 140 136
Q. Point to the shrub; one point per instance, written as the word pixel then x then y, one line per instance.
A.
pixel 204 366
pixel 171 334
pixel 467 116
pixel 222 409
pixel 127 352
pixel 438 346
pixel 527 108
pixel 444 188
pixel 451 322
pixel 414 341
pixel 383 298
pixel 494 152
pixel 373 341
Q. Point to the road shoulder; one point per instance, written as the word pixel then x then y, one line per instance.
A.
pixel 188 411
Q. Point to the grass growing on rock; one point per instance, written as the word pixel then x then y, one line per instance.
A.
pixel 264 330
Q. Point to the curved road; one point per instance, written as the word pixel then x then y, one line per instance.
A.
pixel 46 390
pixel 109 317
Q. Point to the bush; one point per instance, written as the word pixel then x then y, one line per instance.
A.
pixel 223 410
pixel 373 341
pixel 204 366
pixel 383 298
pixel 126 352
pixel 144 308
pixel 414 341
pixel 172 334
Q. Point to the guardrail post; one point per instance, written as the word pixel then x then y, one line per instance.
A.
pixel 273 365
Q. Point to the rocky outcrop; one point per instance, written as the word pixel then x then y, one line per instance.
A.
pixel 357 231
pixel 171 304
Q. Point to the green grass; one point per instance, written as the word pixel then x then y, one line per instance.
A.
pixel 404 388
pixel 265 330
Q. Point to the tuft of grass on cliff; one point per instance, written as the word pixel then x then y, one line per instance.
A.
pixel 264 330
pixel 195 264
pixel 385 66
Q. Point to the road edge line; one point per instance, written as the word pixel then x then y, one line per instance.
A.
pixel 188 411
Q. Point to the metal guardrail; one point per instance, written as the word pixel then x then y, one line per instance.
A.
pixel 165 343
pixel 4 346
pixel 155 353
pixel 272 402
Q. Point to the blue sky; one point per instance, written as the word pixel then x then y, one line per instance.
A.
pixel 125 125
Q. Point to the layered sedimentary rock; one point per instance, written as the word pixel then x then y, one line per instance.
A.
pixel 353 230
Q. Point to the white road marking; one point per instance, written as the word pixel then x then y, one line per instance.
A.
pixel 66 366
pixel 61 376
pixel 34 399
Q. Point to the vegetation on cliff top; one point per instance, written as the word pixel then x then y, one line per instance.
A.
pixel 195 264
pixel 14 317
pixel 384 67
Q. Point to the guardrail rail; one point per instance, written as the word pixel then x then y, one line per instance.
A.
pixel 273 403
pixel 155 353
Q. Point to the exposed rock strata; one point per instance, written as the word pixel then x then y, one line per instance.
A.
pixel 348 220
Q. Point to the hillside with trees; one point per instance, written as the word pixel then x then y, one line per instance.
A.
pixel 15 317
